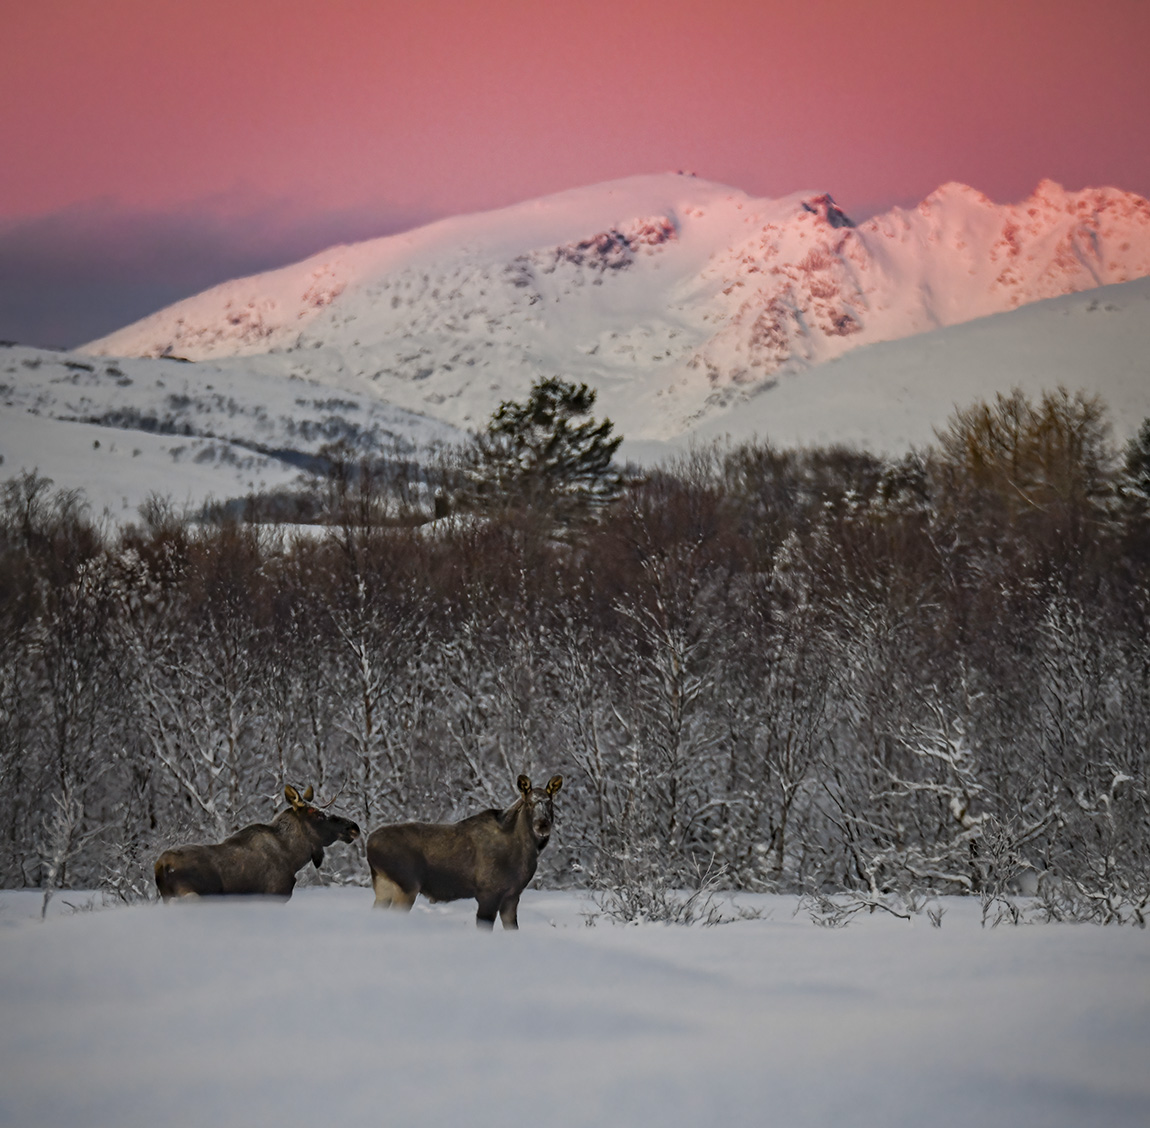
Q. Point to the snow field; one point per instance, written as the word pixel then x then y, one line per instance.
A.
pixel 119 474
pixel 322 1009
pixel 188 433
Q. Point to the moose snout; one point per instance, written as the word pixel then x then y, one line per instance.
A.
pixel 350 832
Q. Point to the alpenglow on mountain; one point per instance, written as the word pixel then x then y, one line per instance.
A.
pixel 675 297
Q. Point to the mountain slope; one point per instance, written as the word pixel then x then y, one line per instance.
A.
pixel 673 296
pixel 892 395
pixel 123 430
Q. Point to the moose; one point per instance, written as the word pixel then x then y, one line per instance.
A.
pixel 490 856
pixel 260 859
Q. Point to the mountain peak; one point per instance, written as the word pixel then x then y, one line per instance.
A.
pixel 956 190
pixel 824 205
pixel 1052 194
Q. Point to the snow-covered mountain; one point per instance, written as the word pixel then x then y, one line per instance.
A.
pixel 675 297
pixel 695 311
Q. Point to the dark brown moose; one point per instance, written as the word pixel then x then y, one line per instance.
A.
pixel 490 856
pixel 260 859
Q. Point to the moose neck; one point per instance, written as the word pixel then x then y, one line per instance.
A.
pixel 299 841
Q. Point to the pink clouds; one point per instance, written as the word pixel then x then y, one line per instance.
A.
pixel 450 106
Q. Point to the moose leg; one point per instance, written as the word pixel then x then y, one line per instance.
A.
pixel 509 911
pixel 182 895
pixel 175 888
pixel 485 918
pixel 389 895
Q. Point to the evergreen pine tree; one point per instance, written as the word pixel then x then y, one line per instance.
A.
pixel 538 454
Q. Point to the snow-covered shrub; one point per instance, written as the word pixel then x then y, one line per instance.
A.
pixel 633 889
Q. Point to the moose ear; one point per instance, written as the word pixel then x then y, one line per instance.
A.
pixel 291 795
pixel 554 785
pixel 525 785
pixel 317 857
pixel 307 795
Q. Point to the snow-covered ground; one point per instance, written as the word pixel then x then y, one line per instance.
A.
pixel 324 1011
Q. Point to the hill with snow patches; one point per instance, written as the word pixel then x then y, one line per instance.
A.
pixel 694 310
pixel 125 429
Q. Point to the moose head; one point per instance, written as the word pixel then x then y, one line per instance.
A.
pixel 540 807
pixel 319 827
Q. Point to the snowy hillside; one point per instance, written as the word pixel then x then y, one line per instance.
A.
pixel 671 295
pixel 891 396
pixel 123 430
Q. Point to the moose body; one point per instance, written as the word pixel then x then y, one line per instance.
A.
pixel 260 859
pixel 490 857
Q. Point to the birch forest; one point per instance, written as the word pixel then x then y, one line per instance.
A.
pixel 817 671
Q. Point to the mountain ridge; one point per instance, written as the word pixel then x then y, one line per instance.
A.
pixel 673 296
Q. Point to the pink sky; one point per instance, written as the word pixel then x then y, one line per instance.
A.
pixel 398 111
pixel 456 106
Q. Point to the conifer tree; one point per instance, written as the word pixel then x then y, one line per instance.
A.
pixel 547 453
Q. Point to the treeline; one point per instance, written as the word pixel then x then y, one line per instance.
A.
pixel 810 670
